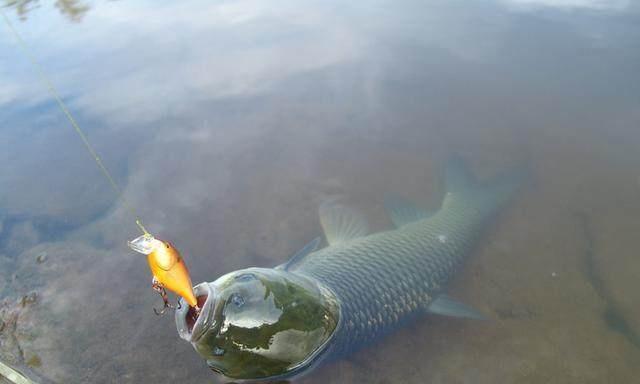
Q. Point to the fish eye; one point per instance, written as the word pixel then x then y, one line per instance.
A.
pixel 167 244
pixel 237 300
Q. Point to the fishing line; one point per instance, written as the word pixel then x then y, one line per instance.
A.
pixel 83 137
pixel 176 278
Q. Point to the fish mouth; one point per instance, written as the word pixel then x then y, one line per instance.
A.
pixel 191 325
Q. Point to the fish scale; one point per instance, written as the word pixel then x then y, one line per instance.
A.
pixel 386 279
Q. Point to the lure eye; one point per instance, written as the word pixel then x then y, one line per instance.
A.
pixel 237 300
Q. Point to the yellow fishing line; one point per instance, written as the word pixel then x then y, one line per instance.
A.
pixel 54 93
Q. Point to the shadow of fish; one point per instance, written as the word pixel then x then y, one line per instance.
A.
pixel 324 304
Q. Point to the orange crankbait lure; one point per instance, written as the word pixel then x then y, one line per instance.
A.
pixel 168 269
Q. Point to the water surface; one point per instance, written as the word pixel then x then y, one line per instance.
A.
pixel 228 123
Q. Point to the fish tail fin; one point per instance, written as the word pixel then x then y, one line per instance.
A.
pixel 506 184
pixel 458 177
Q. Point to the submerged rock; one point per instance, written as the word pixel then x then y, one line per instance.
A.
pixel 29 299
pixel 41 258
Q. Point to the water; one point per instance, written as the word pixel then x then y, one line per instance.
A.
pixel 228 123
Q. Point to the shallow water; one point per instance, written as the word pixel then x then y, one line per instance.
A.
pixel 227 124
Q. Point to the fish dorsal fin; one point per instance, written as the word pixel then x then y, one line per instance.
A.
pixel 341 223
pixel 311 247
pixel 446 306
pixel 402 211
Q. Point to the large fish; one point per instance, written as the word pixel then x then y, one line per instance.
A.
pixel 273 323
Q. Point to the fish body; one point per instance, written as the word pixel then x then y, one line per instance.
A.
pixel 386 279
pixel 369 284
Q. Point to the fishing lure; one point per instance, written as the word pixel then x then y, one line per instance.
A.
pixel 168 269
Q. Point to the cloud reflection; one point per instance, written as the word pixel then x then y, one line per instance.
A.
pixel 570 4
pixel 162 59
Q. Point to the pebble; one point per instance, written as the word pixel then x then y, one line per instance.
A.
pixel 29 298
pixel 41 258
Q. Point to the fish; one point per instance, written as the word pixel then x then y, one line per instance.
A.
pixel 324 304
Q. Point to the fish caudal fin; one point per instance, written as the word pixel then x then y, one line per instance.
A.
pixel 458 177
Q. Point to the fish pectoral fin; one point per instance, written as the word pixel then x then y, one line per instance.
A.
pixel 311 247
pixel 403 212
pixel 446 306
pixel 341 223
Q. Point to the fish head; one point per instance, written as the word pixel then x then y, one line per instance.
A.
pixel 259 323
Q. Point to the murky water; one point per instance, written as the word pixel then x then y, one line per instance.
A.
pixel 228 123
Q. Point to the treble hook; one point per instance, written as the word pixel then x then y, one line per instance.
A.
pixel 158 287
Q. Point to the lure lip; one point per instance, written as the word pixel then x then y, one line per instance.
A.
pixel 144 244
pixel 205 318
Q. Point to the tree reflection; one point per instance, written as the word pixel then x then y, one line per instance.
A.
pixel 74 10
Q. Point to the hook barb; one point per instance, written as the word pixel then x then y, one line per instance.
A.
pixel 158 287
